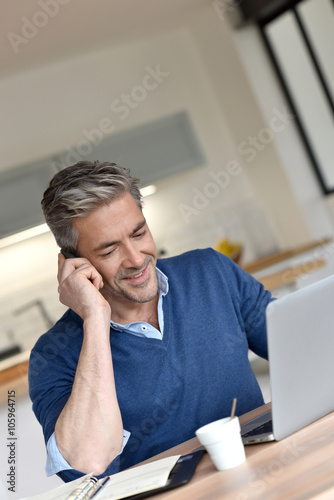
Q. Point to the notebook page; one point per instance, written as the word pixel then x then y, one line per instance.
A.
pixel 138 480
pixel 129 482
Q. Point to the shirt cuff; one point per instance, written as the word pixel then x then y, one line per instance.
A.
pixel 55 462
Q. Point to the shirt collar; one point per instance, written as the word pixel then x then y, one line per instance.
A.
pixel 163 286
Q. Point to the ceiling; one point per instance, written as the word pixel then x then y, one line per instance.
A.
pixel 36 32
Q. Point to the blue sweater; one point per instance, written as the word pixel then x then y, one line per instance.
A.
pixel 213 313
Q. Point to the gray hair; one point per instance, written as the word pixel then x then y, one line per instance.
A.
pixel 78 190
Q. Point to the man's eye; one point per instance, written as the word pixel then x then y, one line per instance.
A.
pixel 108 253
pixel 139 234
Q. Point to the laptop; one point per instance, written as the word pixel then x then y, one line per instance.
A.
pixel 300 331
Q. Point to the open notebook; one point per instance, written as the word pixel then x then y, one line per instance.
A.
pixel 140 481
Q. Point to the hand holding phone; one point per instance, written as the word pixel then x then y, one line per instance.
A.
pixel 69 255
pixel 75 279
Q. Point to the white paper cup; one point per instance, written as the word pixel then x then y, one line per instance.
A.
pixel 222 440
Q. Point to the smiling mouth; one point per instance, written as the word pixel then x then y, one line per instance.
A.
pixel 135 276
pixel 138 277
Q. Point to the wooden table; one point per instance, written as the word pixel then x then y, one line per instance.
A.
pixel 299 467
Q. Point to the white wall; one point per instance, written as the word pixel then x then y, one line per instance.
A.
pixel 232 71
pixel 317 210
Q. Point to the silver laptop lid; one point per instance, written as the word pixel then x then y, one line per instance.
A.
pixel 300 328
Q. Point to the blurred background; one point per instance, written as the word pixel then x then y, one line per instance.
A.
pixel 224 110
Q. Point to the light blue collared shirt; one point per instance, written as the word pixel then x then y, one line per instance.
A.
pixel 55 461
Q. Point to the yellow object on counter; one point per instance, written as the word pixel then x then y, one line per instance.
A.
pixel 230 249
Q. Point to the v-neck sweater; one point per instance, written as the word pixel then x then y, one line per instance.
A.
pixel 213 313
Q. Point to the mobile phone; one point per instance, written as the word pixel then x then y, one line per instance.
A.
pixel 67 254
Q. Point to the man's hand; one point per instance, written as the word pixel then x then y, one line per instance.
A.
pixel 79 285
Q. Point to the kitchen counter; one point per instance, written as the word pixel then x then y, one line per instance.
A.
pixel 14 375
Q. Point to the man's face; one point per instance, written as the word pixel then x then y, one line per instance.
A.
pixel 116 240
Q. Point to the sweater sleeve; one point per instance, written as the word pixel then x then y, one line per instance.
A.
pixel 255 303
pixel 251 300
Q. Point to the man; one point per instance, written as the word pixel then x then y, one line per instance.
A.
pixel 149 350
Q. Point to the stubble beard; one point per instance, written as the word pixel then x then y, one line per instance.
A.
pixel 129 292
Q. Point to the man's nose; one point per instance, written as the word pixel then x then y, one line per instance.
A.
pixel 133 256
